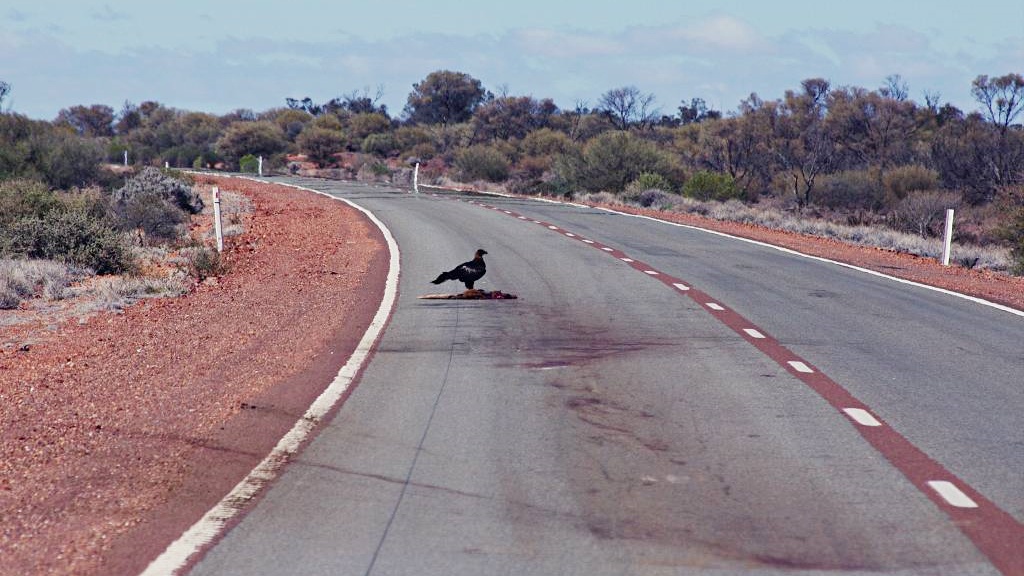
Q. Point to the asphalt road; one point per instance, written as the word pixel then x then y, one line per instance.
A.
pixel 607 423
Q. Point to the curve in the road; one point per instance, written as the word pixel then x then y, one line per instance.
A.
pixel 996 533
pixel 211 526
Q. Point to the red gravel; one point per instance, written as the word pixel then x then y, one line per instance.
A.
pixel 105 424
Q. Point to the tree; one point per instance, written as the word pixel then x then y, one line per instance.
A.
pixel 612 160
pixel 512 117
pixel 320 145
pixel 5 89
pixel 696 111
pixel 801 144
pixel 627 106
pixel 1002 98
pixel 256 138
pixel 445 97
pixel 92 121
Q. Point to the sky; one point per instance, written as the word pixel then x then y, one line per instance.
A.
pixel 221 56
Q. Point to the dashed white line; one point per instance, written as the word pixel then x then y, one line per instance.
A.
pixel 607 249
pixel 553 227
pixel 506 211
pixel 589 241
pixel 950 493
pixel 753 333
pixel 682 287
pixel 626 259
pixel 651 272
pixel 522 217
pixel 714 306
pixel 570 234
pixel 536 221
pixel 800 367
pixel 862 417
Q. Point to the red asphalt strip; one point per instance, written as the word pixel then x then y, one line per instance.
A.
pixel 997 534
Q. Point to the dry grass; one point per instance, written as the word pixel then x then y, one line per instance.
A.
pixel 967 255
pixel 119 292
pixel 24 279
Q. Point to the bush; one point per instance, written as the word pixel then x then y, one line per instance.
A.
pixel 482 163
pixel 320 145
pixel 705 185
pixel 149 212
pixel 72 236
pixel 919 211
pixel 903 180
pixel 66 161
pixel 205 262
pixel 174 190
pixel 25 199
pixel 610 161
pixel 854 189
pixel 380 144
pixel 1013 233
pixel 248 164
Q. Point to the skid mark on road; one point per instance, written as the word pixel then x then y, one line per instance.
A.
pixel 997 534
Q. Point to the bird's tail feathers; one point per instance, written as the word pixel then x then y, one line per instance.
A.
pixel 441 278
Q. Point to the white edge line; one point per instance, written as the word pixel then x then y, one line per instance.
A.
pixel 974 299
pixel 207 528
pixel 862 417
pixel 951 494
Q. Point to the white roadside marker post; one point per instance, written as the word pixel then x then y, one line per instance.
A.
pixel 947 238
pixel 167 165
pixel 261 166
pixel 216 220
pixel 416 178
pixel 126 157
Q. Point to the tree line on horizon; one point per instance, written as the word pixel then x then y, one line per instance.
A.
pixel 864 155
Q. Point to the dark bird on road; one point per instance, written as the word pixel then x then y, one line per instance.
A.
pixel 467 272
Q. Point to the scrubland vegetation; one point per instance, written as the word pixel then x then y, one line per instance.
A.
pixel 868 166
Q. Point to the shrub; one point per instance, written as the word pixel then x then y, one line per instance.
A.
pixel 705 185
pixel 149 212
pixel 902 180
pixel 25 199
pixel 22 279
pixel 66 161
pixel 1013 233
pixel 74 237
pixel 482 163
pixel 380 144
pixel 610 161
pixel 205 262
pixel 176 191
pixel 248 164
pixel 919 211
pixel 321 144
pixel 855 189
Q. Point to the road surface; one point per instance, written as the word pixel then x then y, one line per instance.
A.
pixel 610 421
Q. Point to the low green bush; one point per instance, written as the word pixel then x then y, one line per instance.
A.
pixel 482 163
pixel 72 236
pixel 706 185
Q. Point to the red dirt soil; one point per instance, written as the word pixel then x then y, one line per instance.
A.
pixel 107 424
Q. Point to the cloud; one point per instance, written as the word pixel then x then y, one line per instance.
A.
pixel 108 14
pixel 15 15
pixel 719 58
